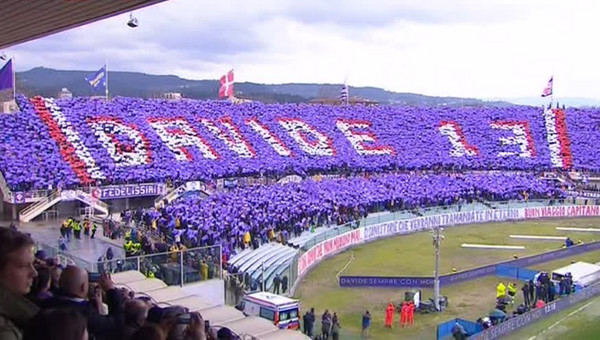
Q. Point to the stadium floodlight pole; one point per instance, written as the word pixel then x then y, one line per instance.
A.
pixel 437 238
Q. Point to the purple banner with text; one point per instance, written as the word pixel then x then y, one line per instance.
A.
pixel 386 282
pixel 129 190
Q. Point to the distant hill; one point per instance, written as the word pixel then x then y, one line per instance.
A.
pixel 48 82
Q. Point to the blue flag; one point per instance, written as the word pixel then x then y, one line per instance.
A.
pixel 98 79
pixel 6 76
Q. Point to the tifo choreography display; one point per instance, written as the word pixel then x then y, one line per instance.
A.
pixel 296 207
pixel 87 141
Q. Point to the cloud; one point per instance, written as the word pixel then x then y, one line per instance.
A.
pixel 495 48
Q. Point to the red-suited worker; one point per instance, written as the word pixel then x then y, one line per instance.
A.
pixel 411 313
pixel 389 314
pixel 404 314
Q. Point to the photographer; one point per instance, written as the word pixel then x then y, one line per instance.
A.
pixel 73 293
pixel 174 323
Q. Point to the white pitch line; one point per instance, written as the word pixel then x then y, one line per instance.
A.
pixel 595 230
pixel 539 237
pixel 490 246
pixel 563 319
pixel 337 276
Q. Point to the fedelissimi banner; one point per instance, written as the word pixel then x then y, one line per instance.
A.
pixel 352 238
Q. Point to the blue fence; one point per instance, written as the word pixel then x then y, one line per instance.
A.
pixel 444 330
pixel 521 274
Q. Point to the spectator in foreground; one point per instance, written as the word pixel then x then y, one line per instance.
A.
pixel 162 324
pixel 40 290
pixel 16 278
pixel 135 313
pixel 74 289
pixel 149 332
pixel 57 324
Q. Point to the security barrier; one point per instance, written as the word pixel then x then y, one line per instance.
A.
pixel 516 323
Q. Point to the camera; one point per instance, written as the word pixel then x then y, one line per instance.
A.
pixel 94 277
pixel 184 319
pixel 133 21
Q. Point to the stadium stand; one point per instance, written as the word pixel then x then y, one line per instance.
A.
pixel 219 316
pixel 352 165
pixel 87 141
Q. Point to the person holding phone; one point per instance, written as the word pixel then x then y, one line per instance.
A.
pixel 170 321
pixel 74 293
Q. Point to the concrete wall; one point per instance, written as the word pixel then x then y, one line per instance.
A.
pixel 211 290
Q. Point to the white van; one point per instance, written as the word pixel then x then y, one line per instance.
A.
pixel 583 273
pixel 283 312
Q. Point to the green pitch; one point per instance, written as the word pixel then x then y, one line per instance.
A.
pixel 580 322
pixel 413 255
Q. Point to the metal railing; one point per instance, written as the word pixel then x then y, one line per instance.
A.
pixel 64 257
pixel 175 268
pixel 40 203
pixel 92 201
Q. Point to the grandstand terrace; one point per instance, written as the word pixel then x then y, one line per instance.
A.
pixel 343 164
pixel 83 142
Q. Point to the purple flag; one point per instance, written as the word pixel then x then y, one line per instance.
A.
pixel 6 76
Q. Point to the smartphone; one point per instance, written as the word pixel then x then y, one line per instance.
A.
pixel 206 326
pixel 94 277
pixel 184 319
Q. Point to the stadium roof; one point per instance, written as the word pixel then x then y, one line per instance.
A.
pixel 24 20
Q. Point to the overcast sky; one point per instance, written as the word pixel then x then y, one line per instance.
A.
pixel 471 48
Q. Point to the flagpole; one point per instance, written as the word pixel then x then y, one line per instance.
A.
pixel 106 80
pixel 347 89
pixel 14 79
pixel 552 95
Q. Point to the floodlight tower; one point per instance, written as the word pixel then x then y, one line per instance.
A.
pixel 437 236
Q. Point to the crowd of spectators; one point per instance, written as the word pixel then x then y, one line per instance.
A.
pixel 129 140
pixel 248 217
pixel 40 299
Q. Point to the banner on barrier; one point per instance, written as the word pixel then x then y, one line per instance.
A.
pixel 429 222
pixel 386 282
pixel 371 233
pixel 328 247
pixel 129 190
pixel 527 319
pixel 562 211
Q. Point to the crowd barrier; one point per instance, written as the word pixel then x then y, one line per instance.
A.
pixel 307 260
pixel 518 273
pixel 513 324
pixel 444 330
pixel 174 268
